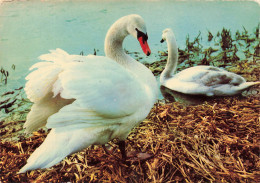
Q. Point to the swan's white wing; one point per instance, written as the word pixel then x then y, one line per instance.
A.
pixel 188 87
pixel 40 81
pixel 209 76
pixel 40 87
pixel 75 116
pixel 57 56
pixel 215 78
pixel 103 89
pixel 207 80
pixel 194 74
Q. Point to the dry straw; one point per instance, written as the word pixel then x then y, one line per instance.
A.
pixel 212 142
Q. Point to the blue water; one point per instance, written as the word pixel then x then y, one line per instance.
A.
pixel 31 28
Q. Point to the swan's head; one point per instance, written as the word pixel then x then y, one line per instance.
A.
pixel 136 27
pixel 167 34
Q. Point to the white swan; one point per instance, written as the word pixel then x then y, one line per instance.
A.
pixel 89 99
pixel 199 80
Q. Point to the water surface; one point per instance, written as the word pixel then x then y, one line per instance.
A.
pixel 31 28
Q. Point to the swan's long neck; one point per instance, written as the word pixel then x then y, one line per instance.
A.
pixel 172 60
pixel 114 43
pixel 114 50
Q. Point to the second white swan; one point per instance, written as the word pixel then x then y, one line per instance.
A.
pixel 199 80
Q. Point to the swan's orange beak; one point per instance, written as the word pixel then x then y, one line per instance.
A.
pixel 144 46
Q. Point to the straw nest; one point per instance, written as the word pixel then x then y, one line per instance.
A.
pixel 212 142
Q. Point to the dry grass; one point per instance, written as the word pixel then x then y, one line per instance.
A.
pixel 212 142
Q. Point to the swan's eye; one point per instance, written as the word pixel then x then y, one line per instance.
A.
pixel 141 34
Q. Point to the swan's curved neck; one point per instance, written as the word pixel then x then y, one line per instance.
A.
pixel 114 50
pixel 114 42
pixel 172 60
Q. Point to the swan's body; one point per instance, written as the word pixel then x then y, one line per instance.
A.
pixel 199 80
pixel 89 99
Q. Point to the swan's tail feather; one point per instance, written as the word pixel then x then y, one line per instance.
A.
pixel 46 155
pixel 57 145
pixel 35 119
pixel 41 111
pixel 246 85
pixel 227 90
